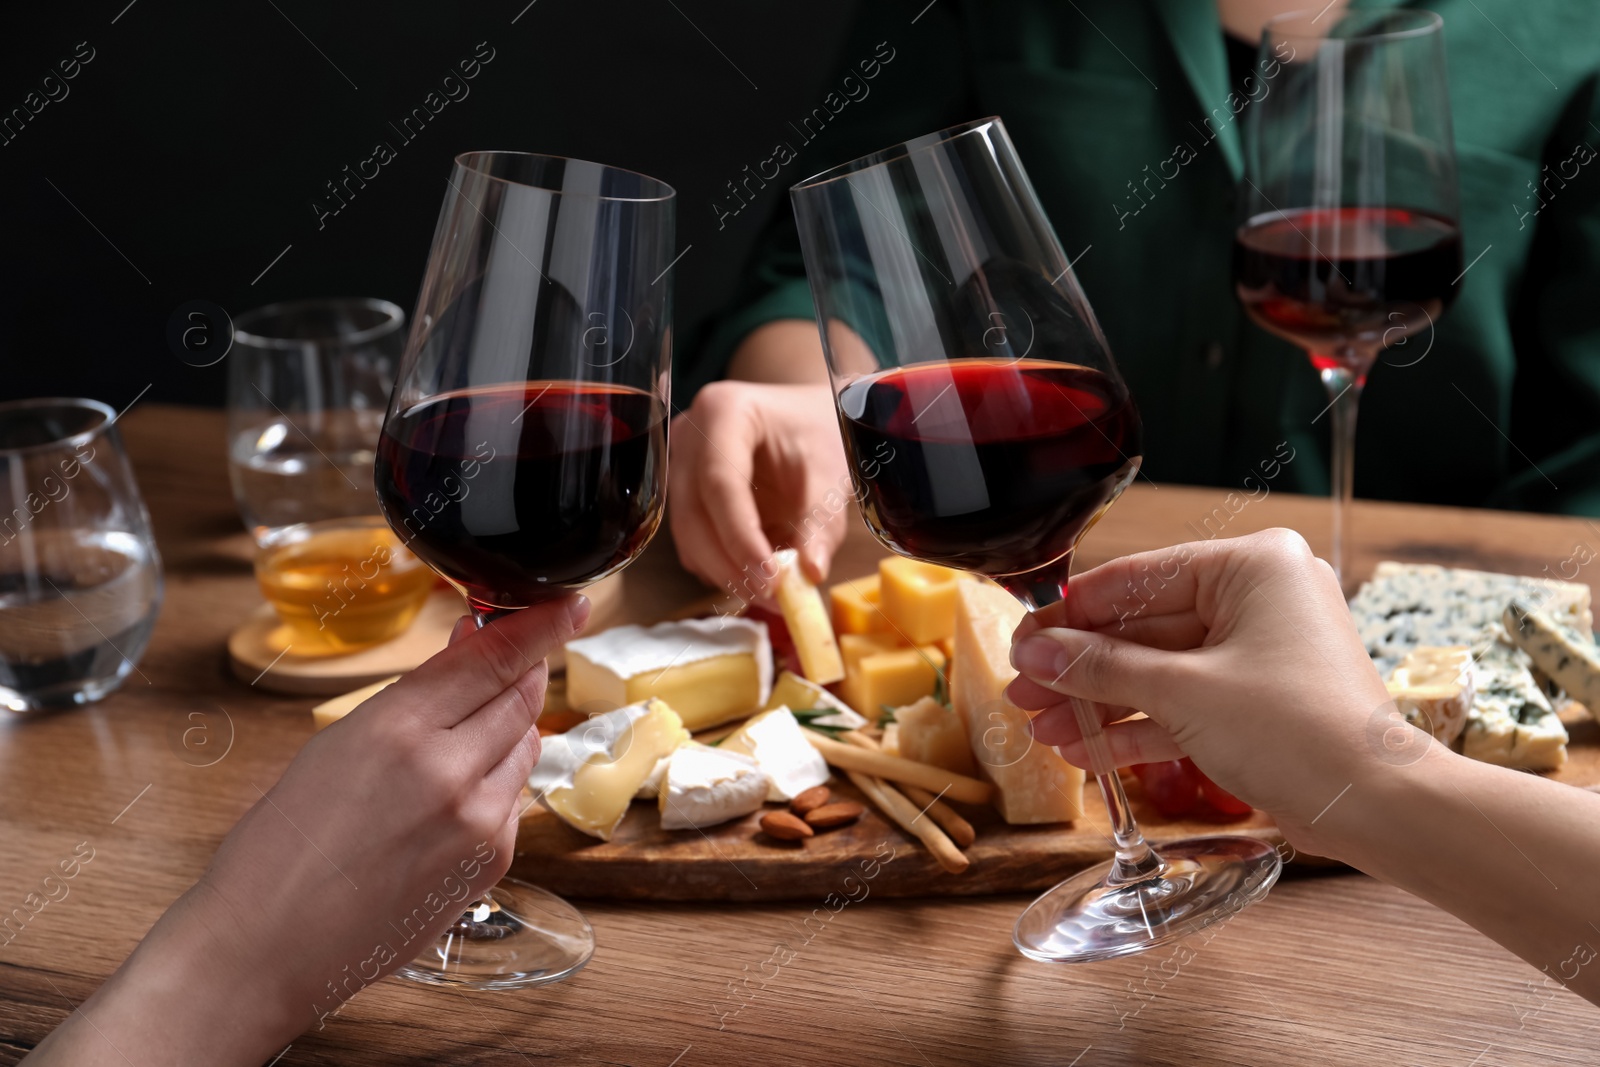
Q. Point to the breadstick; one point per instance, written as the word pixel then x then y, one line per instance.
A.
pixel 959 829
pixel 876 763
pixel 904 813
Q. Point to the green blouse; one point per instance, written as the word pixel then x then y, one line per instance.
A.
pixel 1121 111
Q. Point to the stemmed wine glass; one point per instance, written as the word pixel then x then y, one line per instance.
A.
pixel 525 447
pixel 1349 241
pixel 958 337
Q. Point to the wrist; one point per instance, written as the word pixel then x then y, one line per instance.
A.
pixel 198 990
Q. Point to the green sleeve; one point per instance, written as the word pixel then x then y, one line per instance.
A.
pixel 1555 404
pixel 923 86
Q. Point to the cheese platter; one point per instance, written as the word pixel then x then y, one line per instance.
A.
pixel 698 759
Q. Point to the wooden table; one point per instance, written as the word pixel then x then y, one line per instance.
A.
pixel 1331 969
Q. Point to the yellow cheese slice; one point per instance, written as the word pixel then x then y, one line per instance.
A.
pixel 1033 784
pixel 807 619
pixel 918 598
pixel 854 648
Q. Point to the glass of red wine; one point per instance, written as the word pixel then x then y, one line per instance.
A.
pixel 988 428
pixel 525 447
pixel 1350 242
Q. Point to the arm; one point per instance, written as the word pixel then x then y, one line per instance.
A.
pixel 1246 659
pixel 407 806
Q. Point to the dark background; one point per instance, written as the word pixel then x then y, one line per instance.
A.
pixel 198 136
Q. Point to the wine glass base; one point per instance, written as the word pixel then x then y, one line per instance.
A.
pixel 1207 880
pixel 529 938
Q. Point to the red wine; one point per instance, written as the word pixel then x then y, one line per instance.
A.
pixel 1350 280
pixel 986 465
pixel 522 493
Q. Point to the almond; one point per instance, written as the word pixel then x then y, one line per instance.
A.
pixel 842 813
pixel 812 798
pixel 785 826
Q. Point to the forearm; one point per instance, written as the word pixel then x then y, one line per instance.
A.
pixel 1514 855
pixel 784 351
pixel 187 995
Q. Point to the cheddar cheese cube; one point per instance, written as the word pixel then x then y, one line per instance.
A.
pixel 892 679
pixel 855 607
pixel 918 598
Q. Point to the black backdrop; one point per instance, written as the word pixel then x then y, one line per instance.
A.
pixel 186 154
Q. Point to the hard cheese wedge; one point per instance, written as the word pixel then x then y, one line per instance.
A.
pixel 807 619
pixel 704 786
pixel 1432 688
pixel 855 607
pixel 918 598
pixel 773 739
pixel 331 711
pixel 1033 784
pixel 589 775
pixel 1567 656
pixel 709 670
pixel 929 732
pixel 892 679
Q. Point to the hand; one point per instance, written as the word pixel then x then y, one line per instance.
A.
pixel 381 831
pixel 755 467
pixel 1241 652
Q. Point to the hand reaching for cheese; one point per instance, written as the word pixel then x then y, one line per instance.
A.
pixel 382 829
pixel 1241 653
pixel 755 466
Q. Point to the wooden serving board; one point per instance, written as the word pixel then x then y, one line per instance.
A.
pixel 737 862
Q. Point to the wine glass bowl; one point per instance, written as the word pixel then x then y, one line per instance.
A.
pixel 524 451
pixel 1349 241
pixel 988 428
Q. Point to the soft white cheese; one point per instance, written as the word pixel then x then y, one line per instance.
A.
pixel 774 740
pixel 704 786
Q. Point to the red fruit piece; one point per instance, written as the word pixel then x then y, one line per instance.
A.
pixel 1225 802
pixel 1172 787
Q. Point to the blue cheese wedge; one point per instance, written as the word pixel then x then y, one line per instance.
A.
pixel 1512 723
pixel 1567 656
pixel 1408 606
pixel 704 786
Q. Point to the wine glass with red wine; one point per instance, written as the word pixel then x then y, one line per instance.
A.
pixel 525 448
pixel 1350 242
pixel 988 428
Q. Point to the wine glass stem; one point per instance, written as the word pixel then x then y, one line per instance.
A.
pixel 1135 861
pixel 1344 397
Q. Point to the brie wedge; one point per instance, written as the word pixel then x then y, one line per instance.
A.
pixel 704 786
pixel 709 670
pixel 802 694
pixel 774 740
pixel 589 775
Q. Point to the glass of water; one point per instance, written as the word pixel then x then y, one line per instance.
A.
pixel 308 383
pixel 80 580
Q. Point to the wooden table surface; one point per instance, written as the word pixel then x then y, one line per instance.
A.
pixel 1330 969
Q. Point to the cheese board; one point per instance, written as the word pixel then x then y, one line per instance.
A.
pixel 761 754
pixel 1468 662
pixel 737 862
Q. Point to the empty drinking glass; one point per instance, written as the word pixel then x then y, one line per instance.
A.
pixel 80 580
pixel 308 383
